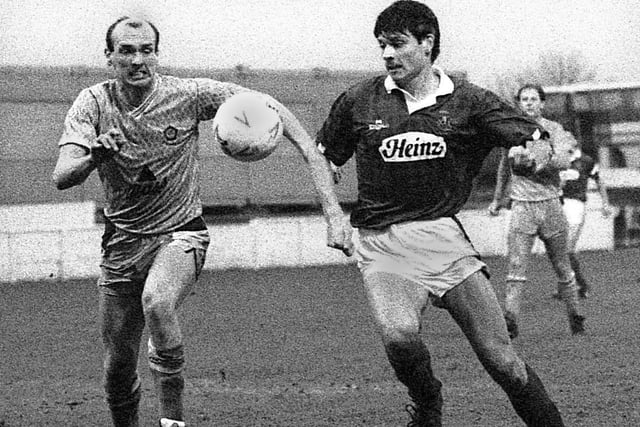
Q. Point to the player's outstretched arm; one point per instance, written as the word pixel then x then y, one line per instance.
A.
pixel 502 178
pixel 339 230
pixel 604 196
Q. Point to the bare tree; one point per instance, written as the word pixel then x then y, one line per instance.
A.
pixel 242 71
pixel 320 73
pixel 553 68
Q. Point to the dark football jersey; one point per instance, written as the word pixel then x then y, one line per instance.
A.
pixel 576 178
pixel 420 165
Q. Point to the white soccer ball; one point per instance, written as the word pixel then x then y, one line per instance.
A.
pixel 247 127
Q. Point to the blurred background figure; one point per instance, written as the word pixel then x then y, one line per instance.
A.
pixel 575 183
pixel 536 210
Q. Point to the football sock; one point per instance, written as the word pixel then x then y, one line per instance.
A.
pixel 569 294
pixel 125 414
pixel 412 365
pixel 166 367
pixel 575 265
pixel 533 405
pixel 169 388
pixel 513 292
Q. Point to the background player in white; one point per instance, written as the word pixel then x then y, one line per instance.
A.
pixel 575 182
pixel 419 138
pixel 140 132
pixel 536 210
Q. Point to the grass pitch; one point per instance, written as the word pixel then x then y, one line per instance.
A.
pixel 297 347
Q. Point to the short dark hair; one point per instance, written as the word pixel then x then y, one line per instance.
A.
pixel 533 86
pixel 412 17
pixel 134 24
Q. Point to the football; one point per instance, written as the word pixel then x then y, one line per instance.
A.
pixel 247 127
pixel 564 147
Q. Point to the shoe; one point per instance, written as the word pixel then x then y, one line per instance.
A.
pixel 576 322
pixel 512 325
pixel 423 417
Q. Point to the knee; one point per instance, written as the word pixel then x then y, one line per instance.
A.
pixel 398 325
pixel 155 307
pixel 517 268
pixel 402 345
pixel 565 272
pixel 503 364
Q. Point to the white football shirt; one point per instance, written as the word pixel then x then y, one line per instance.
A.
pixel 152 184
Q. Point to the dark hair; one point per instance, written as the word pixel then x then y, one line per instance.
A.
pixel 535 87
pixel 134 24
pixel 412 17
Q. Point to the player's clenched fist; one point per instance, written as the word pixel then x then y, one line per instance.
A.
pixel 537 155
pixel 107 144
pixel 521 161
pixel 339 235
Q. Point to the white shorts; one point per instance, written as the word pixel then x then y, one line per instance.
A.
pixel 434 254
pixel 574 210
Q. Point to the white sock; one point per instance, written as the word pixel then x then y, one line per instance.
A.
pixel 166 422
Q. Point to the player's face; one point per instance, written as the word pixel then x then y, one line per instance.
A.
pixel 530 103
pixel 405 58
pixel 134 57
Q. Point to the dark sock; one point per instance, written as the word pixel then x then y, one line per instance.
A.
pixel 126 414
pixel 533 404
pixel 169 388
pixel 166 368
pixel 412 365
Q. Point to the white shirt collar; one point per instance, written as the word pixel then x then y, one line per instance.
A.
pixel 445 87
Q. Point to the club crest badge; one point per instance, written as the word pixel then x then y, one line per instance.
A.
pixel 444 120
pixel 170 134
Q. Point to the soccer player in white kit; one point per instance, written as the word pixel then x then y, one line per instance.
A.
pixel 140 132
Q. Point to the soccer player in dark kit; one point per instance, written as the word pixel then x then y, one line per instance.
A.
pixel 575 182
pixel 419 138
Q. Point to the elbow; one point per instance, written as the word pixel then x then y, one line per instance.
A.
pixel 56 181
pixel 60 182
pixel 62 185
